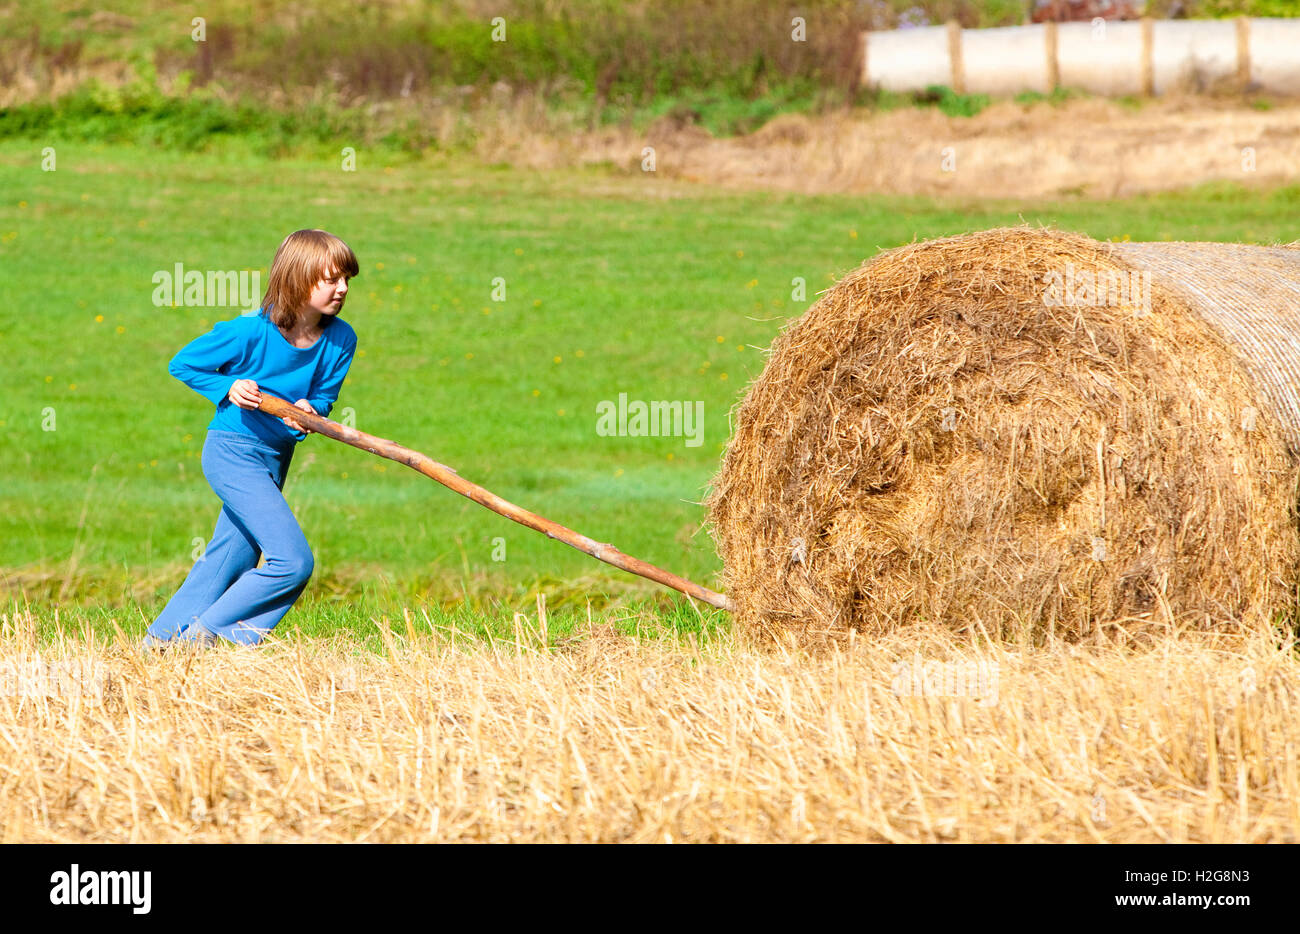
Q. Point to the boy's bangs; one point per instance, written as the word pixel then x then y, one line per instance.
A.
pixel 339 256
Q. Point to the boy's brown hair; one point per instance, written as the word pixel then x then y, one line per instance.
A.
pixel 303 259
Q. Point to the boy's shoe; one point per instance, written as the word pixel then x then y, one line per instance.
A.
pixel 196 636
pixel 152 645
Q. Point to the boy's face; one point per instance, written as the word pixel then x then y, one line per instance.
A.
pixel 328 294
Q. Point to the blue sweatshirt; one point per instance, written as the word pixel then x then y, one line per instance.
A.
pixel 252 347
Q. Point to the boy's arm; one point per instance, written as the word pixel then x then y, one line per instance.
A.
pixel 199 363
pixel 323 395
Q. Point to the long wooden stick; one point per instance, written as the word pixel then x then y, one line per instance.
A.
pixel 448 477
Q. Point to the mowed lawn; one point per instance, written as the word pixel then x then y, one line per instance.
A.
pixel 613 284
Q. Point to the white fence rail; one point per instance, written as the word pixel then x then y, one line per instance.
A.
pixel 1111 58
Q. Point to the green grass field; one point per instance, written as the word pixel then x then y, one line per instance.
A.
pixel 614 283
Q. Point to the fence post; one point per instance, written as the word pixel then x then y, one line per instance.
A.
pixel 1243 52
pixel 1148 57
pixel 954 57
pixel 1053 57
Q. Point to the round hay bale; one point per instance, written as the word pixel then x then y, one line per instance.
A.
pixel 965 431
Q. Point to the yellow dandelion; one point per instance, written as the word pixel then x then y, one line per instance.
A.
pixel 345 475
pixel 707 364
pixel 361 353
pixel 670 455
pixel 558 359
pixel 579 353
pixel 153 463
pixel 120 329
pixel 853 235
pixel 721 339
pixel 537 303
pixel 559 411
pixel 99 318
pixel 740 254
pixel 722 376
pixel 49 379
pixel 379 265
pixel 751 283
pixel 72 386
pixel 518 252
pixel 469 356
pixel 619 472
pixel 537 392
pixel 22 204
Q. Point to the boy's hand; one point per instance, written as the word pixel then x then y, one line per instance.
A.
pixel 293 423
pixel 245 394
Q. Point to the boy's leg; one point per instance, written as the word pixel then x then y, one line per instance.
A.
pixel 229 554
pixel 249 484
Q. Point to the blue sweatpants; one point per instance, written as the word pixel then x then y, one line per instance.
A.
pixel 225 592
